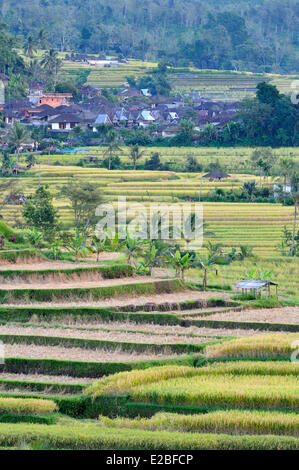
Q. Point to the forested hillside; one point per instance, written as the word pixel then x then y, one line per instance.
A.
pixel 254 35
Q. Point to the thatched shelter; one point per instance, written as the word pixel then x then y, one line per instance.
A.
pixel 216 175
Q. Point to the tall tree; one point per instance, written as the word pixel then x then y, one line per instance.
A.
pixel 30 46
pixel 112 143
pixel 39 212
pixel 52 64
pixel 135 154
pixel 18 135
pixel 83 197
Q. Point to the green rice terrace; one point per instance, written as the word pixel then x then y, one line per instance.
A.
pixel 102 353
pixel 96 357
pixel 213 84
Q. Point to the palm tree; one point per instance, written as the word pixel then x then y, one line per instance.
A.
pixel 192 222
pixel 135 154
pixel 51 63
pixel 34 69
pixel 295 196
pixel 29 46
pixel 205 263
pixel 286 166
pixel 42 38
pixel 112 142
pixel 18 135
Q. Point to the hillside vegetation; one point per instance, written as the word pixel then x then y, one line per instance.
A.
pixel 211 35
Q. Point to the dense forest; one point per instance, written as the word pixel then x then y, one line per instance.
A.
pixel 256 35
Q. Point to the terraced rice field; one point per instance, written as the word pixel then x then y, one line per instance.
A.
pixel 233 159
pixel 213 84
pixel 275 315
pixel 69 353
pixel 258 225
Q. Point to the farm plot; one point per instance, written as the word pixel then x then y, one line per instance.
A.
pixel 233 159
pixel 276 315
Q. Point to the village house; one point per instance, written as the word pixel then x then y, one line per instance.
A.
pixel 64 122
pixel 101 119
pixel 54 99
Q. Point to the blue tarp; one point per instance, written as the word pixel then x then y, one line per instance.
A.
pixel 74 150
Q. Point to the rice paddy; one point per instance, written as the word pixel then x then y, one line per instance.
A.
pixel 164 365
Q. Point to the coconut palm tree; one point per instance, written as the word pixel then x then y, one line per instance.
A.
pixel 42 38
pixel 135 154
pixel 295 196
pixel 29 46
pixel 17 136
pixel 52 64
pixel 113 148
pixel 286 166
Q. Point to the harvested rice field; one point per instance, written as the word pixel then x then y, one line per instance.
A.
pixel 124 336
pixel 33 265
pixel 274 315
pixel 74 285
pixel 45 378
pixel 134 300
pixel 77 354
pixel 158 334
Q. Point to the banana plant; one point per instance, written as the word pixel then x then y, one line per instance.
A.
pixel 133 247
pixel 113 242
pixel 258 274
pixel 180 262
pixel 245 252
pixel 54 246
pixel 76 244
pixel 34 237
pixel 98 246
pixel 142 268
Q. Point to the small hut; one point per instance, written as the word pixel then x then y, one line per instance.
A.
pixel 216 175
pixel 256 287
pixel 91 159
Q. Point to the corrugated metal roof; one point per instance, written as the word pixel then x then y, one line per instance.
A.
pixel 254 284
